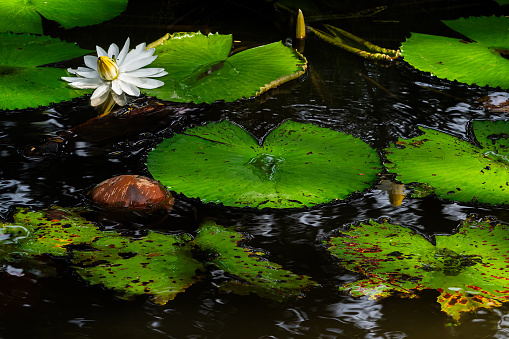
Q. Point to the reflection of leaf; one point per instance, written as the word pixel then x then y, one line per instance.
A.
pixel 25 16
pixel 50 231
pixel 200 69
pixel 298 165
pixel 469 268
pixel 457 169
pixel 259 276
pixel 478 62
pixel 159 265
pixel 22 83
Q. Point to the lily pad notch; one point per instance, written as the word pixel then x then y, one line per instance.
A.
pixel 297 165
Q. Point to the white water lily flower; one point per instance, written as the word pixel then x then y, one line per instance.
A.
pixel 117 72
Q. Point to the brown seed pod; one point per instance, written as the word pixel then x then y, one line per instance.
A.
pixel 132 192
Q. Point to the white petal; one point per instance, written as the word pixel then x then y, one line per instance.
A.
pixel 83 83
pixel 115 86
pixel 100 51
pixel 138 64
pixel 147 72
pixel 88 74
pixel 121 100
pixel 69 79
pixel 113 51
pixel 129 88
pixel 134 54
pixel 72 71
pixel 104 88
pixel 151 83
pixel 136 81
pixel 123 52
pixel 91 61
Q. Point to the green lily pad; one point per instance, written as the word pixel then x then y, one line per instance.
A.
pixel 469 269
pixel 454 168
pixel 258 275
pixel 159 265
pixel 298 165
pixel 22 83
pixel 201 70
pixel 481 61
pixel 49 231
pixel 21 16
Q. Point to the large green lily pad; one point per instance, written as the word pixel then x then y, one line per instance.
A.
pixel 469 269
pixel 201 70
pixel 258 275
pixel 454 168
pixel 22 16
pixel 298 165
pixel 50 231
pixel 22 83
pixel 481 61
pixel 158 264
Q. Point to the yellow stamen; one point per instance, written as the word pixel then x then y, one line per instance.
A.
pixel 107 68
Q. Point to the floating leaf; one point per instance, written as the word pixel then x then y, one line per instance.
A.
pixel 469 269
pixel 457 169
pixel 50 231
pixel 25 16
pixel 298 165
pixel 481 61
pixel 22 83
pixel 158 264
pixel 258 275
pixel 200 69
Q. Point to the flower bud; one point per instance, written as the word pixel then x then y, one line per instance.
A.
pixel 107 68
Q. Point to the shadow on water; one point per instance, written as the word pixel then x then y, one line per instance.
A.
pixel 377 103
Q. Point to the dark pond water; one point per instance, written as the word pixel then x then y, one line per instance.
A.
pixel 341 91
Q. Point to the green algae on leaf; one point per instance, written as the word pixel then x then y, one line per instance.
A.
pixel 50 231
pixel 469 268
pixel 159 265
pixel 257 275
pixel 22 83
pixel 298 165
pixel 481 61
pixel 201 69
pixel 25 16
pixel 454 168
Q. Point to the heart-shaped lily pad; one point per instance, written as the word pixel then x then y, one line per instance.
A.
pixel 201 70
pixel 50 231
pixel 158 264
pixel 469 269
pixel 22 83
pixel 482 61
pixel 455 168
pixel 21 16
pixel 297 165
pixel 258 275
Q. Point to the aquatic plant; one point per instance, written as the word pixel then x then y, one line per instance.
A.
pixel 201 69
pixel 479 60
pixel 456 169
pixel 117 73
pixel 25 16
pixel 22 54
pixel 296 165
pixel 469 268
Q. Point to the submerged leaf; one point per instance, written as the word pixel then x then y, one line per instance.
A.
pixel 22 83
pixel 200 69
pixel 298 165
pixel 25 16
pixel 50 231
pixel 258 275
pixel 481 61
pixel 457 169
pixel 158 264
pixel 469 269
